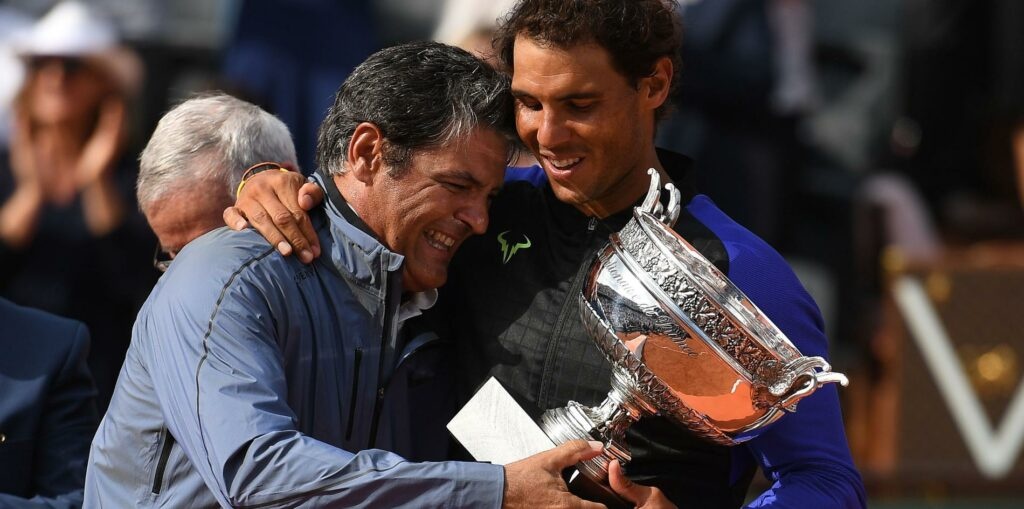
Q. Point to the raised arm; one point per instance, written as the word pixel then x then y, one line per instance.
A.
pixel 805 454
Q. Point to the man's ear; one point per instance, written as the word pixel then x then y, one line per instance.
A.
pixel 365 152
pixel 655 88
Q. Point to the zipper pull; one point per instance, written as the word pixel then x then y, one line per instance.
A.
pixel 592 224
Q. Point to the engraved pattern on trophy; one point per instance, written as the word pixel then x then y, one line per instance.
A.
pixel 631 318
pixel 691 301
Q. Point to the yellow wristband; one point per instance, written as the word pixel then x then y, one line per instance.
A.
pixel 253 170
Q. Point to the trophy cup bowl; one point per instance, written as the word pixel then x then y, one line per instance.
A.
pixel 683 342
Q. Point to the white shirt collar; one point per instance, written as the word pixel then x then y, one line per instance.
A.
pixel 416 304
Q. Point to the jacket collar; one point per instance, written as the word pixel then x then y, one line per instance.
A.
pixel 355 249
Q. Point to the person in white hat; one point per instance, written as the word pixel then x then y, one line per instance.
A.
pixel 69 122
pixel 69 228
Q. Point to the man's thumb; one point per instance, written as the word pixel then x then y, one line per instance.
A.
pixel 626 488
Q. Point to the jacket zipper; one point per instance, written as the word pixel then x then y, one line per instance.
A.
pixel 354 394
pixel 386 332
pixel 426 345
pixel 161 464
pixel 568 305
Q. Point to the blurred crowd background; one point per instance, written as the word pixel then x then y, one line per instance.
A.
pixel 878 144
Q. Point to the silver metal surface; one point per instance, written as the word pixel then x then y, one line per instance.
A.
pixel 684 342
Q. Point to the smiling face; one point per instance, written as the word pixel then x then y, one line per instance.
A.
pixel 438 200
pixel 590 128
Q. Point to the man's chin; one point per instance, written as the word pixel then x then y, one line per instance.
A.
pixel 423 282
pixel 567 193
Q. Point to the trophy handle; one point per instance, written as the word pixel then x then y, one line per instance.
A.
pixel 809 379
pixel 652 202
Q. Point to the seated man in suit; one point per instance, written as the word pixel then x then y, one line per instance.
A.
pixel 47 408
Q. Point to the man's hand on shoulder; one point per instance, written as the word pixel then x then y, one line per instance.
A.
pixel 536 482
pixel 276 205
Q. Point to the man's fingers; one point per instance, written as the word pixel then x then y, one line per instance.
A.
pixel 294 224
pixel 310 195
pixel 298 228
pixel 571 453
pixel 234 219
pixel 271 216
pixel 644 497
pixel 626 488
pixel 260 219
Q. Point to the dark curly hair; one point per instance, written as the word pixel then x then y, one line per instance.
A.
pixel 420 95
pixel 636 33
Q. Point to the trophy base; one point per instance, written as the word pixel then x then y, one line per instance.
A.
pixel 589 489
pixel 577 422
pixel 493 428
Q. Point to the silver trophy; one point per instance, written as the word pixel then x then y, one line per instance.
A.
pixel 683 342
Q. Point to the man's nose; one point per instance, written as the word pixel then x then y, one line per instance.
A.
pixel 552 131
pixel 474 214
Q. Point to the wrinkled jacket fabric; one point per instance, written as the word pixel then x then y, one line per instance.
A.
pixel 254 380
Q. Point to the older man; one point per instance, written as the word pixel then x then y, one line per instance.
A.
pixel 255 380
pixel 591 79
pixel 192 165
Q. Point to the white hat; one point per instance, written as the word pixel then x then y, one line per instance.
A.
pixel 73 29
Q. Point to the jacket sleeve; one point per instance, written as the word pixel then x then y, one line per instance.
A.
pixel 67 424
pixel 805 454
pixel 218 374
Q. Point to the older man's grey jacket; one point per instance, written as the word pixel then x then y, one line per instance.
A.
pixel 255 381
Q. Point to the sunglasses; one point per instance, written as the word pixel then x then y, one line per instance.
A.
pixel 161 259
pixel 70 65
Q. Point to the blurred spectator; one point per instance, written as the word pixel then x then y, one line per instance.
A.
pixel 290 61
pixel 194 161
pixel 71 241
pixel 725 119
pixel 400 21
pixel 963 96
pixel 47 409
pixel 470 25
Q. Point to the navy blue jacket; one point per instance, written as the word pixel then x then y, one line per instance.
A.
pixel 47 408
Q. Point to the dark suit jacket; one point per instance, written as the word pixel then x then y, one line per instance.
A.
pixel 47 408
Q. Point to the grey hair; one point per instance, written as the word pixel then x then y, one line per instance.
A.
pixel 420 95
pixel 210 139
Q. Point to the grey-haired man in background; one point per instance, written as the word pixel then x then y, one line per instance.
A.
pixel 190 169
